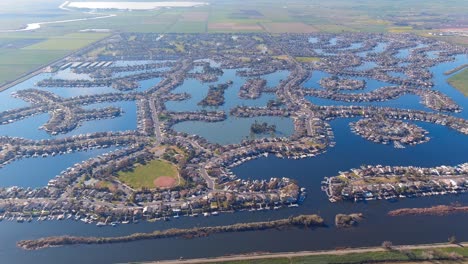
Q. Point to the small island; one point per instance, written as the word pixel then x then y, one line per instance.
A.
pixel 215 96
pixel 344 220
pixel 297 221
pixel 337 83
pixel 439 210
pixel 387 131
pixel 262 128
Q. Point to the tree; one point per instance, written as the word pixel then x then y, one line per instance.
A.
pixel 452 240
pixel 388 245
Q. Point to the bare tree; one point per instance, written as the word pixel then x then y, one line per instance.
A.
pixel 388 245
pixel 452 240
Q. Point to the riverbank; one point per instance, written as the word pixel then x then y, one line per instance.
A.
pixel 413 253
pixel 456 69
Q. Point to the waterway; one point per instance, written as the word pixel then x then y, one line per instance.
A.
pixel 445 147
pixel 233 129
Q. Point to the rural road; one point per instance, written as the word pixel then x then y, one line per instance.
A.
pixel 303 254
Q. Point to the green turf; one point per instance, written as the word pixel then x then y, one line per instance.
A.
pixel 460 81
pixel 143 176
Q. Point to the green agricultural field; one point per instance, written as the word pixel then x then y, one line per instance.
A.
pixel 336 16
pixel 16 62
pixel 145 176
pixel 20 54
pixel 460 81
pixel 68 42
pixel 188 27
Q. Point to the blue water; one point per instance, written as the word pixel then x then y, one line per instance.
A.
pixel 367 65
pixel 232 130
pixel 354 46
pixel 9 102
pixel 313 40
pixel 404 53
pixel 127 121
pixel 371 84
pixel 407 101
pixel 400 75
pixel 440 82
pixel 29 127
pixel 36 172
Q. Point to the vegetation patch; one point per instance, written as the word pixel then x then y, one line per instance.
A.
pixel 307 59
pixel 460 81
pixel 14 63
pixel 228 27
pixel 68 42
pixel 447 254
pixel 154 174
pixel 289 27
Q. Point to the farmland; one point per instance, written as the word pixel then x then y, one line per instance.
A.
pixel 67 42
pixel 19 55
pixel 218 17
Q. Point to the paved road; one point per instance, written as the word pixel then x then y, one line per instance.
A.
pixel 208 179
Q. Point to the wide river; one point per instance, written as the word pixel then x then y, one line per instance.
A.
pixel 445 147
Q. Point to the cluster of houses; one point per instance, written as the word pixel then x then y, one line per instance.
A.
pixel 337 83
pixel 430 98
pixel 387 182
pixel 390 131
pixel 211 186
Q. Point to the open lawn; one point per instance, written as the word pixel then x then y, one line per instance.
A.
pixel 156 173
pixel 67 42
pixel 307 59
pixel 460 81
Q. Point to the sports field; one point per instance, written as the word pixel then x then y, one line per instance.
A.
pixel 154 174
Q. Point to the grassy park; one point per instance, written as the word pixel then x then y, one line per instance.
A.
pixel 156 173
